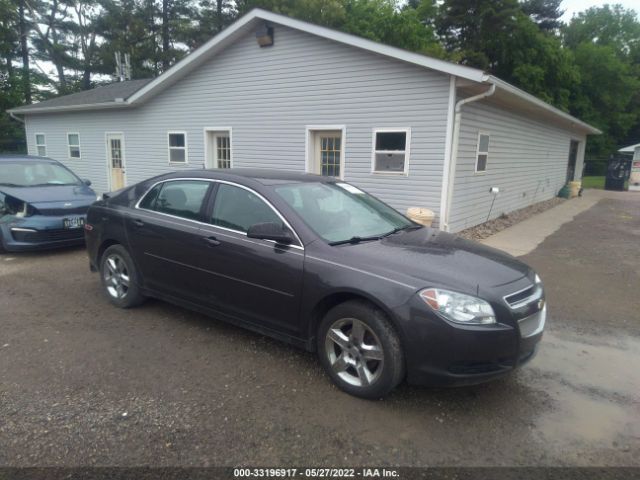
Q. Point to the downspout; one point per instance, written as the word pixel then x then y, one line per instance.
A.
pixel 13 115
pixel 454 150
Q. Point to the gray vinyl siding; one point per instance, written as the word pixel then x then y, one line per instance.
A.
pixel 269 96
pixel 527 162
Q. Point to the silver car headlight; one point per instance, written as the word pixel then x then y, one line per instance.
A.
pixel 458 307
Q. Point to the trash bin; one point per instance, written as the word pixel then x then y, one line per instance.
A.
pixel 574 188
pixel 420 215
pixel 618 172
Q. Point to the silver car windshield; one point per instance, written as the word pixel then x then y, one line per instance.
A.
pixel 340 212
pixel 35 174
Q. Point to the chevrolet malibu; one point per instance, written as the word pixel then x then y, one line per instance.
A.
pixel 43 204
pixel 320 264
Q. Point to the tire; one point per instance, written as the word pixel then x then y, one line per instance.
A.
pixel 119 277
pixel 360 350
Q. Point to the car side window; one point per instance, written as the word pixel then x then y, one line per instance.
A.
pixel 181 198
pixel 238 209
pixel 149 200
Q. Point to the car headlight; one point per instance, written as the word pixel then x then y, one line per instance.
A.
pixel 458 307
pixel 537 279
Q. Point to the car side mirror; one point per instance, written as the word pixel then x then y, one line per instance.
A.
pixel 87 182
pixel 270 231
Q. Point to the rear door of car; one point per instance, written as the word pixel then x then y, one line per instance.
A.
pixel 251 279
pixel 164 234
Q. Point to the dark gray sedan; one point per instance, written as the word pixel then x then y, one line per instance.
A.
pixel 320 264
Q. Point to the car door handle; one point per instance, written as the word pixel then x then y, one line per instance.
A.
pixel 138 223
pixel 211 241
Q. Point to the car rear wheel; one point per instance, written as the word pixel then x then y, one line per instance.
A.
pixel 119 277
pixel 360 350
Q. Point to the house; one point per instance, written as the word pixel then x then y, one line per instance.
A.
pixel 275 92
pixel 634 177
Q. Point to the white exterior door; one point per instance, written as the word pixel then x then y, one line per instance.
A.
pixel 218 145
pixel 115 157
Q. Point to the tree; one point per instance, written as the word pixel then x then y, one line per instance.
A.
pixel 51 22
pixel 478 32
pixel 213 17
pixel 605 42
pixel 85 32
pixel 545 13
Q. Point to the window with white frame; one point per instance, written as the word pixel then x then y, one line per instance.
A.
pixel 73 140
pixel 223 150
pixel 177 147
pixel 391 150
pixel 41 145
pixel 482 153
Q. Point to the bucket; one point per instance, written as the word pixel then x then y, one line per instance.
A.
pixel 574 188
pixel 564 192
pixel 420 215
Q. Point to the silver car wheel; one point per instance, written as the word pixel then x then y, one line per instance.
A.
pixel 354 351
pixel 116 276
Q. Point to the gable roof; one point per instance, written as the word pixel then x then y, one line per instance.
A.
pixel 114 93
pixel 630 148
pixel 255 17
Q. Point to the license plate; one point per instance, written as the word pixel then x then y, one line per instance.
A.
pixel 73 222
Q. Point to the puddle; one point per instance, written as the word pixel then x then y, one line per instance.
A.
pixel 594 386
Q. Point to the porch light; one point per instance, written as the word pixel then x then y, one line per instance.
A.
pixel 264 35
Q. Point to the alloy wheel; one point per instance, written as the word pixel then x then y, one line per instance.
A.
pixel 116 276
pixel 354 351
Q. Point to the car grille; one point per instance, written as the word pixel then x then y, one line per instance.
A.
pixel 524 297
pixel 59 212
pixel 56 235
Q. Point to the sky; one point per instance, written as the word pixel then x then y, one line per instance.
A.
pixel 574 6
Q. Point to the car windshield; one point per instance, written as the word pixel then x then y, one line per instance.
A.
pixel 23 173
pixel 341 213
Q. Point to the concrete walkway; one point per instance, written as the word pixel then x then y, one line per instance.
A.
pixel 522 238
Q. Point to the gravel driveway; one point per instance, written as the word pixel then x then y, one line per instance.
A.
pixel 83 383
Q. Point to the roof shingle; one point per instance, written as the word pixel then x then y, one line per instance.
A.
pixel 106 94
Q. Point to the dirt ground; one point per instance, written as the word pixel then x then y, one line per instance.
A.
pixel 83 383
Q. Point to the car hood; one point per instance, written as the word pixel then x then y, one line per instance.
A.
pixel 51 194
pixel 434 258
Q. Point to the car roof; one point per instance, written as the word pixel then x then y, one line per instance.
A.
pixel 10 157
pixel 261 175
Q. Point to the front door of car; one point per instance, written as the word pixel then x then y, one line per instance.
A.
pixel 250 279
pixel 164 234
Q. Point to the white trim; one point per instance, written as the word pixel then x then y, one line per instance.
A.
pixel 478 152
pixel 185 148
pixel 124 155
pixel 86 106
pixel 406 151
pixel 448 150
pixel 35 137
pixel 79 157
pixel 206 145
pixel 227 182
pixel 312 129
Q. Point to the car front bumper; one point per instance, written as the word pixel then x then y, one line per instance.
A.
pixel 39 232
pixel 441 353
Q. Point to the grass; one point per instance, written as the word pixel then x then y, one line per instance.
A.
pixel 598 182
pixel 593 182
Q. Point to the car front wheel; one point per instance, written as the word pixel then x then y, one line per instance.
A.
pixel 360 350
pixel 119 277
